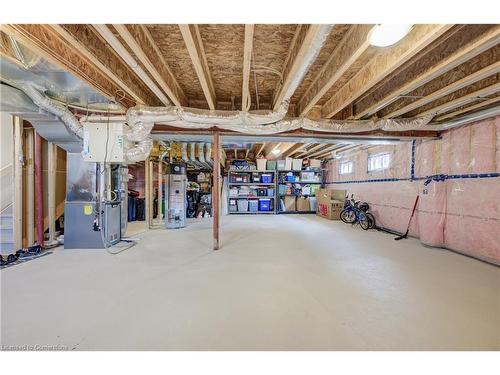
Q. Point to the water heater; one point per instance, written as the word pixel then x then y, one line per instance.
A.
pixel 175 197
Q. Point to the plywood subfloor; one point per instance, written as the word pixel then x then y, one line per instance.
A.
pixel 279 283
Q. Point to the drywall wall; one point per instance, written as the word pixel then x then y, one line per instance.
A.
pixel 456 178
pixel 6 156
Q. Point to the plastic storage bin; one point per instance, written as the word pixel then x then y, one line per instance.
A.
pixel 297 165
pixel 261 164
pixel 233 207
pixel 266 178
pixel 253 205
pixel 271 165
pixel 242 205
pixel 270 192
pixel 265 204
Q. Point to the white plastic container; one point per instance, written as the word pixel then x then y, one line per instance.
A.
pixel 281 165
pixel 288 164
pixel 261 164
pixel 297 164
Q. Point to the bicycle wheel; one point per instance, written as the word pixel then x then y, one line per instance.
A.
pixel 347 217
pixel 371 219
pixel 364 222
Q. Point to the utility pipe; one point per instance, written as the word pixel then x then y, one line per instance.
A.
pixel 38 189
pixel 216 190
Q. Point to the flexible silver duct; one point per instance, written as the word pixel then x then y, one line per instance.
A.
pixel 208 154
pixel 184 152
pixel 49 105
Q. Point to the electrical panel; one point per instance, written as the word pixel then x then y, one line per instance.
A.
pixel 103 142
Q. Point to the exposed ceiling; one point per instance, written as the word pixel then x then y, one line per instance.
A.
pixel 449 69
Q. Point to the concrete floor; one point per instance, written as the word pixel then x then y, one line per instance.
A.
pixel 279 283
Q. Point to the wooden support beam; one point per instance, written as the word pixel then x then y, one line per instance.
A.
pixel 326 150
pixel 216 190
pixel 90 61
pixel 421 76
pixel 71 36
pixel 351 47
pixel 259 150
pixel 322 147
pixel 39 189
pixel 30 186
pixel 316 147
pixel 247 59
pixel 17 125
pixel 192 39
pixel 293 149
pixel 142 45
pixel 481 104
pixel 457 85
pixel 148 182
pixel 160 190
pixel 484 92
pixel 382 65
pixel 51 187
pixel 299 53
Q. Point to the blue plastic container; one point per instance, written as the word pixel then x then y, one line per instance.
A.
pixel 266 178
pixel 264 204
pixel 253 205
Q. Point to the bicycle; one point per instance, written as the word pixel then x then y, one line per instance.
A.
pixel 356 212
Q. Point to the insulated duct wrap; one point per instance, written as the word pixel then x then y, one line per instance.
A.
pixel 49 105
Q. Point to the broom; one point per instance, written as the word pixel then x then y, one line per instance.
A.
pixel 405 235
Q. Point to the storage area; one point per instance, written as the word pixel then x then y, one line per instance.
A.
pixel 250 187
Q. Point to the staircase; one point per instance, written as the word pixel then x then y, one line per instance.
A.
pixel 6 234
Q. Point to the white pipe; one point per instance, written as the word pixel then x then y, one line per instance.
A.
pixel 113 41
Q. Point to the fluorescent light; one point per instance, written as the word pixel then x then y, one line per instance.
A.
pixel 386 35
pixel 276 151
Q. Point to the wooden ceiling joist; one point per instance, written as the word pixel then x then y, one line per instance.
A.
pixel 139 41
pixel 293 149
pixel 481 104
pixel 311 149
pixel 64 51
pixel 259 149
pixel 303 41
pixel 484 92
pixel 326 150
pixel 352 46
pixel 247 59
pixel 462 54
pixel 464 82
pixel 382 65
pixel 194 45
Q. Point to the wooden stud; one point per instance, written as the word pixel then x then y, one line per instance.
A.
pixel 30 187
pixel 303 41
pixel 247 59
pixel 216 190
pixel 17 124
pixel 194 45
pixel 51 178
pixel 352 46
pixel 382 65
pixel 489 90
pixel 463 53
pixel 481 104
pixel 457 85
pixel 135 34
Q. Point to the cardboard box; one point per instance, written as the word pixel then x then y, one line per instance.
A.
pixel 303 204
pixel 290 203
pixel 329 205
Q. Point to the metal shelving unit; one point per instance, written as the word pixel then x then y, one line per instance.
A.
pixel 253 197
pixel 279 196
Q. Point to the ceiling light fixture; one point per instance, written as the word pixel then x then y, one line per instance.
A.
pixel 384 35
pixel 276 151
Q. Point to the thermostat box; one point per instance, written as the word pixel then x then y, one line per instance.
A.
pixel 103 142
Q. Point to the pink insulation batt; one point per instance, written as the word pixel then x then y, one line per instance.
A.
pixel 461 214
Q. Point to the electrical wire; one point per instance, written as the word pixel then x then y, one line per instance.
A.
pixel 255 82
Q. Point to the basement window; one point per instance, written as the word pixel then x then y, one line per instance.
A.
pixel 378 162
pixel 346 167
